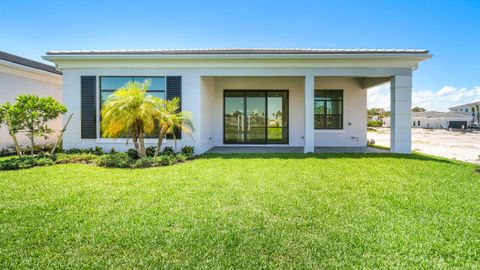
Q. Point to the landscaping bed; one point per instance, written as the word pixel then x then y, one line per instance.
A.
pixel 96 156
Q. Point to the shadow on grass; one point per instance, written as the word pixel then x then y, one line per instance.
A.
pixel 414 156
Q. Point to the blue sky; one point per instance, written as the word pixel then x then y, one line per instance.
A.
pixel 449 29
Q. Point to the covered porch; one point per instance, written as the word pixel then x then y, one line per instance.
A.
pixel 229 101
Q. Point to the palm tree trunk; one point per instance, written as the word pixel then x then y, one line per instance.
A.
pixel 135 140
pixel 175 140
pixel 141 143
pixel 14 137
pixel 161 135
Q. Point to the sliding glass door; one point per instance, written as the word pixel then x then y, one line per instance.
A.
pixel 256 117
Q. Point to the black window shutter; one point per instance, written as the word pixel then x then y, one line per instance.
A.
pixel 88 107
pixel 174 89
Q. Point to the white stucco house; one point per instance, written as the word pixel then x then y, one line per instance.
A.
pixel 247 97
pixel 20 76
pixel 464 108
pixel 437 120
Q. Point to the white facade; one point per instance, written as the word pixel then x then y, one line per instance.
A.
pixel 17 80
pixel 436 120
pixel 465 108
pixel 206 77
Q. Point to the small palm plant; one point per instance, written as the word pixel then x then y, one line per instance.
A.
pixel 169 120
pixel 130 111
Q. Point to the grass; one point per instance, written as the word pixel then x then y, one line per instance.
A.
pixel 245 211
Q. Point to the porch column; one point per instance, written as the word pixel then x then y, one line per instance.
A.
pixel 401 118
pixel 309 136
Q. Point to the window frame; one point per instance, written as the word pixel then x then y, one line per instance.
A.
pixel 325 114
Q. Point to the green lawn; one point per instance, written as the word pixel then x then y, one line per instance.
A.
pixel 245 211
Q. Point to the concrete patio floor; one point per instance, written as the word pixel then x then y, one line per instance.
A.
pixel 291 149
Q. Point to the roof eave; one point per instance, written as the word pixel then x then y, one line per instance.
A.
pixel 55 57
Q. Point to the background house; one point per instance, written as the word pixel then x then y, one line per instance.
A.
pixel 464 108
pixel 20 76
pixel 441 120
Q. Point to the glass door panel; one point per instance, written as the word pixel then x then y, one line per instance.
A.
pixel 234 121
pixel 256 117
pixel 256 112
pixel 277 108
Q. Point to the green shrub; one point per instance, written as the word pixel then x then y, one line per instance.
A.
pixel 5 152
pixel 374 124
pixel 83 158
pixel 96 151
pixel 166 160
pixel 17 163
pixel 115 160
pixel 188 151
pixel 44 161
pixel 181 157
pixel 132 153
pixel 168 151
pixel 144 162
pixel 150 151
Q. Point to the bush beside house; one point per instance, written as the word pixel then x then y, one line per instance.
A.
pixel 95 156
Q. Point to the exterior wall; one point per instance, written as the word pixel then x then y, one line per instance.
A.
pixel 433 123
pixel 16 82
pixel 207 102
pixel 190 102
pixel 354 131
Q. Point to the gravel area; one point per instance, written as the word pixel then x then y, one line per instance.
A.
pixel 459 145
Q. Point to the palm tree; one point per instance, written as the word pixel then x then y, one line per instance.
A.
pixel 130 111
pixel 169 120
pixel 478 114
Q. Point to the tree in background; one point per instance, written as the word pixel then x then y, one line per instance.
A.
pixel 418 109
pixel 31 113
pixel 379 112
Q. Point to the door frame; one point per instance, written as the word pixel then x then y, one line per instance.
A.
pixel 266 91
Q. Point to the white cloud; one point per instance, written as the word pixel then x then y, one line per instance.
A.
pixel 440 100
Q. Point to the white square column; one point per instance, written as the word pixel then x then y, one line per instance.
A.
pixel 309 135
pixel 401 118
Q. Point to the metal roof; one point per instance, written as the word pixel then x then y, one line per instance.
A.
pixel 28 63
pixel 469 105
pixel 271 51
pixel 433 114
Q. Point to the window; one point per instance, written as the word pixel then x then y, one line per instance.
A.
pixel 413 122
pixel 108 85
pixel 418 123
pixel 328 111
